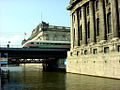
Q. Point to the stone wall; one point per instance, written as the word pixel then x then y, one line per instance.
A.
pixel 104 62
pixel 99 53
pixel 104 65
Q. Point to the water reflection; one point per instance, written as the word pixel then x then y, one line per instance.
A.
pixel 30 77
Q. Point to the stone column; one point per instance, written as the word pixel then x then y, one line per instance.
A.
pixel 71 30
pixel 92 22
pixel 102 20
pixel 83 25
pixel 76 29
pixel 115 21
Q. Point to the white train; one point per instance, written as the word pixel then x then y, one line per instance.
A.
pixel 47 44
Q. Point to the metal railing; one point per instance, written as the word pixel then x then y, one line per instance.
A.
pixel 11 46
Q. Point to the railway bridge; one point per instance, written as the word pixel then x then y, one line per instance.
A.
pixel 49 56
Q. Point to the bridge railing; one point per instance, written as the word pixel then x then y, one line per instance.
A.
pixel 11 46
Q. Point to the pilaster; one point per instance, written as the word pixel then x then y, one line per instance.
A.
pixel 102 20
pixel 115 19
pixel 71 31
pixel 76 29
pixel 83 25
pixel 92 22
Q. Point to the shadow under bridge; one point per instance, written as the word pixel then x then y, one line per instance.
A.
pixel 34 53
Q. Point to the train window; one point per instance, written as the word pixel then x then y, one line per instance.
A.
pixel 41 44
pixel 37 42
pixel 32 42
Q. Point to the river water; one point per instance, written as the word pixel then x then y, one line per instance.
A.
pixel 31 77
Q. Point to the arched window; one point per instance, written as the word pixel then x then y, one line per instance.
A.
pixel 109 23
pixel 74 35
pixel 88 29
pixel 80 13
pixel 87 9
pixel 98 27
pixel 73 18
pixel 85 52
pixel 80 32
pixel 97 5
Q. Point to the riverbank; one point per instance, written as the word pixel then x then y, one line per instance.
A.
pixel 31 77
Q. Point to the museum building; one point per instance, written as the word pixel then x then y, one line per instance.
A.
pixel 46 32
pixel 95 38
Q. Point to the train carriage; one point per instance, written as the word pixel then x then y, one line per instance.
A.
pixel 47 44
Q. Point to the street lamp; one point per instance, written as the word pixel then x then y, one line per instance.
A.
pixel 8 45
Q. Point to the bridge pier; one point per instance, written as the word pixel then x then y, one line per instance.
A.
pixel 56 64
pixel 49 65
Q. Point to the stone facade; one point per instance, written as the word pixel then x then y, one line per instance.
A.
pixel 44 31
pixel 95 38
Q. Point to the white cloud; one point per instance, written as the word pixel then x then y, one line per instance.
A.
pixel 3 39
pixel 14 40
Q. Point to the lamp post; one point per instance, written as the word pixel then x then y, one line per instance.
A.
pixel 8 45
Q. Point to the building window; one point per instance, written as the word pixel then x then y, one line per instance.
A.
pixel 80 32
pixel 109 23
pixel 85 52
pixel 108 1
pixel 71 54
pixel 74 34
pixel 97 5
pixel 73 18
pixel 64 37
pixel 94 51
pixel 78 53
pixel 87 9
pixel 80 13
pixel 106 50
pixel 47 37
pixel 78 37
pixel 98 27
pixel 118 48
pixel 88 30
pixel 55 37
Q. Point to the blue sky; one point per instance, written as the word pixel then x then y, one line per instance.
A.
pixel 19 16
